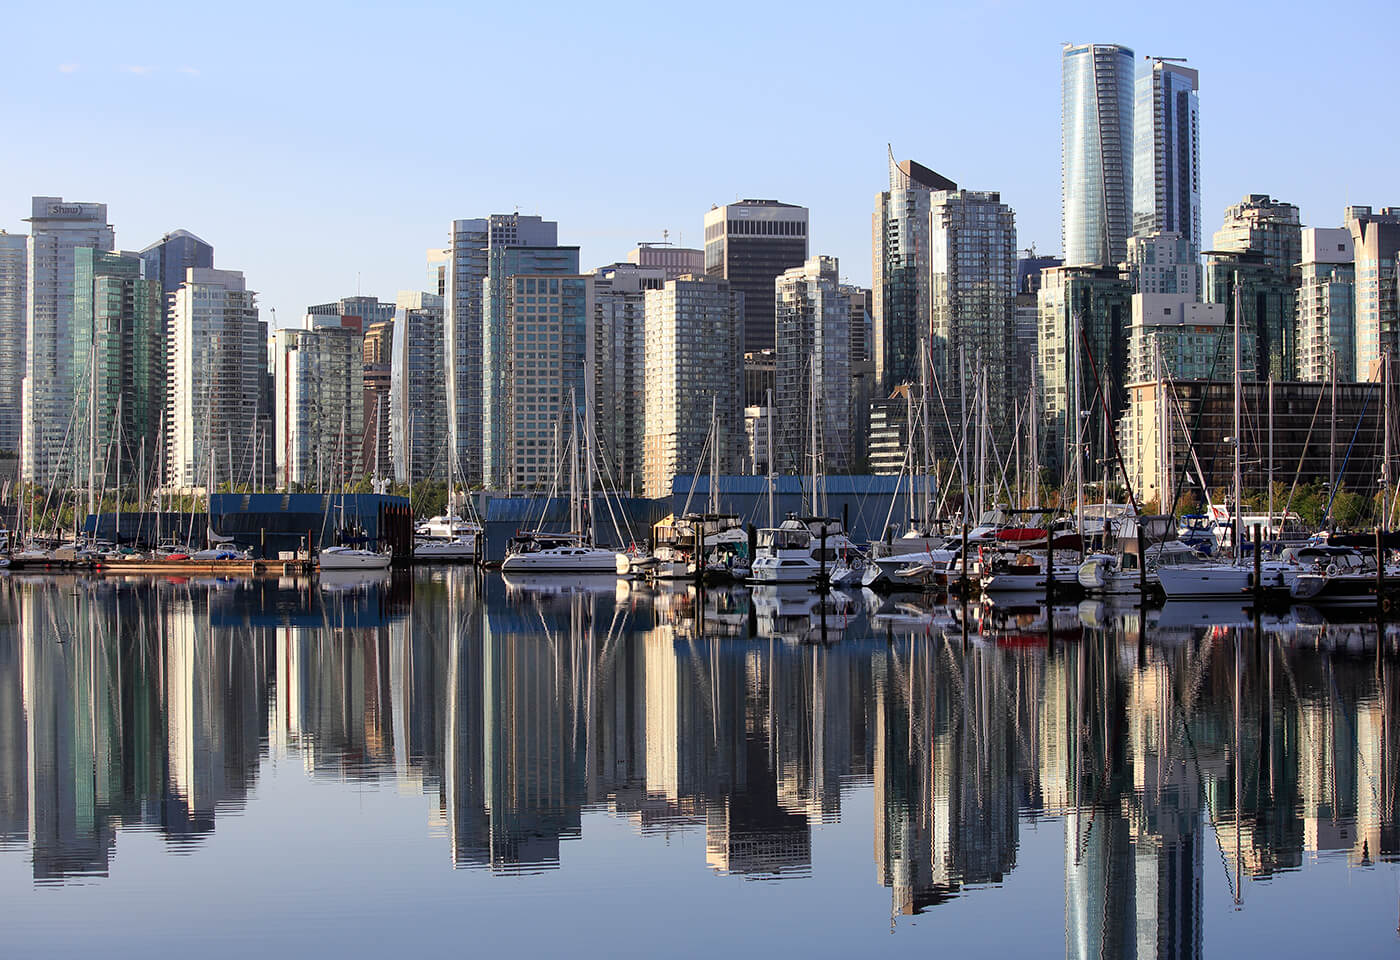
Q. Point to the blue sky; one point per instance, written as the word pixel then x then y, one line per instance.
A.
pixel 316 144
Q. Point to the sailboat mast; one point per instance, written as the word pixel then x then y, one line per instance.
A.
pixel 928 445
pixel 1239 387
pixel 92 426
pixel 1078 440
pixel 772 470
pixel 1271 455
pixel 812 416
pixel 1332 446
pixel 962 454
pixel 1033 421
pixel 714 454
pixel 909 434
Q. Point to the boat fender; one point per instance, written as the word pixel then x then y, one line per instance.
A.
pixel 1332 570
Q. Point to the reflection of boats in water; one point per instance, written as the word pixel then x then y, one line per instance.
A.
pixel 1011 624
pixel 562 583
pixel 349 581
pixel 799 613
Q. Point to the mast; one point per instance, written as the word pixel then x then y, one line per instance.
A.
pixel 812 416
pixel 1271 454
pixel 1078 441
pixel 909 436
pixel 714 454
pixel 1164 475
pixel 575 520
pixel 117 478
pixel 1239 386
pixel 1385 434
pixel 92 427
pixel 928 444
pixel 962 454
pixel 1033 418
pixel 1332 447
pixel 772 475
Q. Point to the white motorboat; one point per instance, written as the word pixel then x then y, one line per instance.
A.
pixel 785 555
pixel 352 558
pixel 1113 573
pixel 557 553
pixel 1023 572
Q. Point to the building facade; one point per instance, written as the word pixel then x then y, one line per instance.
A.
pixel 901 297
pixel 812 368
pixel 1327 305
pixel 378 353
pixel 749 244
pixel 14 265
pixel 319 375
pixel 1096 152
pixel 1163 262
pixel 118 367
pixel 169 257
pixel 215 367
pixel 57 230
pixel 1174 336
pixel 671 260
pixel 619 373
pixel 466 268
pixel 694 364
pixel 503 351
pixel 1376 245
pixel 1167 155
pixel 419 437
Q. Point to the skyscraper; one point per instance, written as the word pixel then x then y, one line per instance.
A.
pixel 1163 262
pixel 418 431
pixel 378 357
pixel 694 363
pixel 319 375
pixel 467 265
pixel 549 331
pixel 901 299
pixel 1096 152
pixel 673 261
pixel 1166 154
pixel 216 364
pixel 1258 249
pixel 169 257
pixel 749 243
pixel 619 307
pixel 58 229
pixel 813 361
pixel 13 266
pixel 118 366
pixel 1327 305
pixel 1376 244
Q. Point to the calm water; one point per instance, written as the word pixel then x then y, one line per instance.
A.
pixel 368 770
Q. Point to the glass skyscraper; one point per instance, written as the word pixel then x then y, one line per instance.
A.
pixel 749 243
pixel 813 359
pixel 1166 154
pixel 1096 152
pixel 418 435
pixel 13 266
pixel 1376 244
pixel 1327 305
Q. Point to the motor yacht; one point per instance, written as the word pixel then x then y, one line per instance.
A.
pixel 352 558
pixel 557 553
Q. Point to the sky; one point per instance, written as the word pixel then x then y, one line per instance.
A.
pixel 323 148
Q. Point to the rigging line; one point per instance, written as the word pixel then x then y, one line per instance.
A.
pixel 1338 480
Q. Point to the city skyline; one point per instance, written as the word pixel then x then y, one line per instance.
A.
pixel 308 221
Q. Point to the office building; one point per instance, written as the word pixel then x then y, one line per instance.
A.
pixel 619 329
pixel 1163 263
pixel 1091 307
pixel 1327 305
pixel 367 311
pixel 748 244
pixel 553 325
pixel 694 365
pixel 1375 239
pixel 1166 155
pixel 216 364
pixel 57 230
pixel 1096 153
pixel 812 369
pixel 900 284
pixel 14 265
pixel 169 257
pixel 118 368
pixel 972 265
pixel 862 317
pixel 378 352
pixel 468 261
pixel 418 434
pixel 319 374
pixel 671 260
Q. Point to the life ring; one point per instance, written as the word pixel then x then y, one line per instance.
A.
pixel 1333 570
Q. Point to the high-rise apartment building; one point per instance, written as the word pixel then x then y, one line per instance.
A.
pixel 57 230
pixel 14 260
pixel 418 432
pixel 1167 155
pixel 216 362
pixel 118 366
pixel 468 261
pixel 671 260
pixel 748 244
pixel 1327 305
pixel 862 316
pixel 1028 273
pixel 619 329
pixel 366 310
pixel 378 361
pixel 694 364
pixel 1375 241
pixel 813 369
pixel 972 266
pixel 1096 152
pixel 169 257
pixel 1163 262
pixel 318 371
pixel 901 298
pixel 503 353
pixel 1177 336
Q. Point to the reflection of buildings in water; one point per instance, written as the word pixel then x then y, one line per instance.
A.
pixel 14 732
pixel 945 771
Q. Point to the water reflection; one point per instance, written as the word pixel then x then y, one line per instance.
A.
pixel 1164 743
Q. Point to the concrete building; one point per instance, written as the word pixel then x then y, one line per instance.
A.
pixel 1375 241
pixel 419 438
pixel 671 260
pixel 118 367
pixel 1096 152
pixel 694 364
pixel 1090 307
pixel 1327 305
pixel 813 368
pixel 57 230
pixel 1163 262
pixel 1027 310
pixel 319 374
pixel 14 265
pixel 378 353
pixel 216 363
pixel 619 375
pixel 900 271
pixel 748 244
pixel 499 344
pixel 1191 339
pixel 1167 155
pixel 468 261
pixel 861 320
